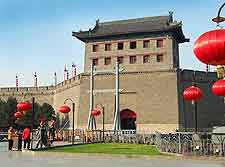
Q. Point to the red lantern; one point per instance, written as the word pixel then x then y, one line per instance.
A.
pixel 218 88
pixel 192 93
pixel 64 109
pixel 18 115
pixel 24 106
pixel 96 112
pixel 209 48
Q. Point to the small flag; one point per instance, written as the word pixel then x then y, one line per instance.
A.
pixel 17 82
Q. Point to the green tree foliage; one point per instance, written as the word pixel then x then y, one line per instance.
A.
pixel 8 109
pixel 11 109
pixel 3 114
pixel 46 111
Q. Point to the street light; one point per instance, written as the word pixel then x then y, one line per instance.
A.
pixel 24 107
pixel 66 109
pixel 193 94
pixel 209 47
pixel 97 112
pixel 219 19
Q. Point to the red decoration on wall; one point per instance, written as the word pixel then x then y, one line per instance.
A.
pixel 96 112
pixel 218 88
pixel 18 115
pixel 24 106
pixel 127 114
pixel 209 48
pixel 64 109
pixel 192 93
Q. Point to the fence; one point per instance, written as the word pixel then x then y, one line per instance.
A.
pixel 65 137
pixel 201 144
pixel 128 136
pixel 186 143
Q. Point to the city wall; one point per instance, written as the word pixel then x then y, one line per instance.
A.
pixel 156 98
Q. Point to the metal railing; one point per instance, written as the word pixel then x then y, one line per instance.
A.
pixel 201 144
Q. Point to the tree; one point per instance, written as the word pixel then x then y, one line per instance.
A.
pixel 41 112
pixel 48 111
pixel 10 108
pixel 4 116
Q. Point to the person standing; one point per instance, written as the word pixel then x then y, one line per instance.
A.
pixel 10 137
pixel 20 140
pixel 26 138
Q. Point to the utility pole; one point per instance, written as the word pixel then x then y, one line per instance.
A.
pixel 103 123
pixel 90 117
pixel 55 78
pixel 116 124
pixel 17 83
pixel 35 80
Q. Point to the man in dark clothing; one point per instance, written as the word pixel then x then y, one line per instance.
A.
pixel 52 131
pixel 42 135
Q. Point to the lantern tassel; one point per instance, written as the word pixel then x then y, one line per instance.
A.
pixel 220 71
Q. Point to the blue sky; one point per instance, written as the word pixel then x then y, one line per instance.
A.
pixel 35 35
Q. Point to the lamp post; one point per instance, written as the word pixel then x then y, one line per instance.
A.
pixel 219 19
pixel 103 121
pixel 66 109
pixel 193 94
pixel 24 107
pixel 209 47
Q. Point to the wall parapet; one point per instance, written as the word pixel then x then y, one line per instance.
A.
pixel 41 90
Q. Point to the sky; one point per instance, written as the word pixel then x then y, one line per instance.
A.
pixel 36 35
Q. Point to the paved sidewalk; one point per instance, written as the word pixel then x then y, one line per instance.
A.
pixel 46 159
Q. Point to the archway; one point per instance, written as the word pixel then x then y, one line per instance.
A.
pixel 128 118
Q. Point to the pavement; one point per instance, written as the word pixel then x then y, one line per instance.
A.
pixel 46 159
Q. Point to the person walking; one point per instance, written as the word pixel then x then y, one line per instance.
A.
pixel 42 135
pixel 26 138
pixel 52 131
pixel 10 138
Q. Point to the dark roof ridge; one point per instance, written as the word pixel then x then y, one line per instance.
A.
pixel 136 26
pixel 134 20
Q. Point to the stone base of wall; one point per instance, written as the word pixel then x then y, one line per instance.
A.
pixel 152 128
pixel 143 128
pixel 99 126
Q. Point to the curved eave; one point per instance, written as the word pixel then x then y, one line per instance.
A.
pixel 86 36
pixel 179 35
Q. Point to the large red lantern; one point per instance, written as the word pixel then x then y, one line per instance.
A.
pixel 64 109
pixel 218 88
pixel 209 48
pixel 18 115
pixel 192 93
pixel 95 112
pixel 24 106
